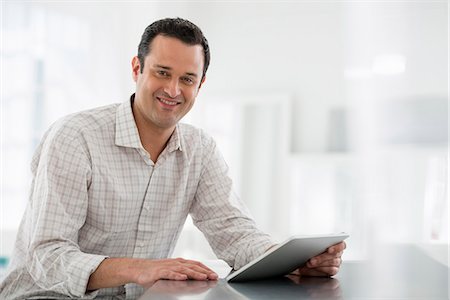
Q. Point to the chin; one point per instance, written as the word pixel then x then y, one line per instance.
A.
pixel 167 125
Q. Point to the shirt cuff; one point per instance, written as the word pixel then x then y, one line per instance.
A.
pixel 82 266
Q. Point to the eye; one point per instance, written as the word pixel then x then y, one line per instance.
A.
pixel 188 80
pixel 162 73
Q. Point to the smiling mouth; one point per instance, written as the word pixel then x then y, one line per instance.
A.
pixel 167 102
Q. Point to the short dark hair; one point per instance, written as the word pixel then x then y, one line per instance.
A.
pixel 182 29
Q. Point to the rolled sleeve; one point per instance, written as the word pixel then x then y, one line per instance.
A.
pixel 59 200
pixel 84 265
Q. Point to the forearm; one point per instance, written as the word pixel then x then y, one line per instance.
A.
pixel 60 266
pixel 113 272
pixel 244 242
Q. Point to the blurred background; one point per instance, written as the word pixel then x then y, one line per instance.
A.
pixel 333 116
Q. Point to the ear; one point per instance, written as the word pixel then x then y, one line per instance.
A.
pixel 135 68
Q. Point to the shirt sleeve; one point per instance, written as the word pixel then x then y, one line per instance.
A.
pixel 57 210
pixel 222 216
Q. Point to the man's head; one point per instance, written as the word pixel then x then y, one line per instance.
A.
pixel 178 28
pixel 169 71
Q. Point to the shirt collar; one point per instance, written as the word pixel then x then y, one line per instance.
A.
pixel 175 140
pixel 127 134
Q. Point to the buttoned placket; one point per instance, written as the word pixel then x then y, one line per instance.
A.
pixel 142 236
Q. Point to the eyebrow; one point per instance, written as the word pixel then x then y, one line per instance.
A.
pixel 169 68
pixel 162 67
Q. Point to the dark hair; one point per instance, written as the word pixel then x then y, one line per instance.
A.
pixel 181 29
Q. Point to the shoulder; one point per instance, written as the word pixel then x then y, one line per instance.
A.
pixel 83 123
pixel 68 135
pixel 193 137
pixel 198 144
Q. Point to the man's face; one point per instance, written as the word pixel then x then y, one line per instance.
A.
pixel 169 83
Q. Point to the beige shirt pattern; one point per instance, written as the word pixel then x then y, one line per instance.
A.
pixel 96 194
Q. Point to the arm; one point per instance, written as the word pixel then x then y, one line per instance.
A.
pixel 59 205
pixel 222 217
pixel 114 272
pixel 56 212
pixel 227 225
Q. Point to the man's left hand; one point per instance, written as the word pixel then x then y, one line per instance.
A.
pixel 325 264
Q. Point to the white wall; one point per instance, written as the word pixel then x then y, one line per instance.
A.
pixel 295 48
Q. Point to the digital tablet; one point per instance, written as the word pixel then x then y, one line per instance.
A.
pixel 286 257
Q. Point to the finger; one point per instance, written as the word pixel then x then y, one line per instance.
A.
pixel 194 272
pixel 333 262
pixel 337 248
pixel 210 274
pixel 317 260
pixel 339 254
pixel 172 275
pixel 194 265
pixel 198 266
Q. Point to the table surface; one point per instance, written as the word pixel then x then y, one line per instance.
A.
pixel 400 272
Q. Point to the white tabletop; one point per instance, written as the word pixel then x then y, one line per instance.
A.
pixel 403 272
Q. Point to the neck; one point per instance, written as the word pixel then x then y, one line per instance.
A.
pixel 153 139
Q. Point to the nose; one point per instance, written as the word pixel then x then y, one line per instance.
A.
pixel 172 88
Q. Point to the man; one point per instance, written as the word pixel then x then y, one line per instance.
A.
pixel 112 187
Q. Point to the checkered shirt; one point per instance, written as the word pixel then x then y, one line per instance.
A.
pixel 96 194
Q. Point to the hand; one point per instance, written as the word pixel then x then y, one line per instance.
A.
pixel 148 272
pixel 325 264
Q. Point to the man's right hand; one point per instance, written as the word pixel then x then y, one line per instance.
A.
pixel 149 271
pixel 114 272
